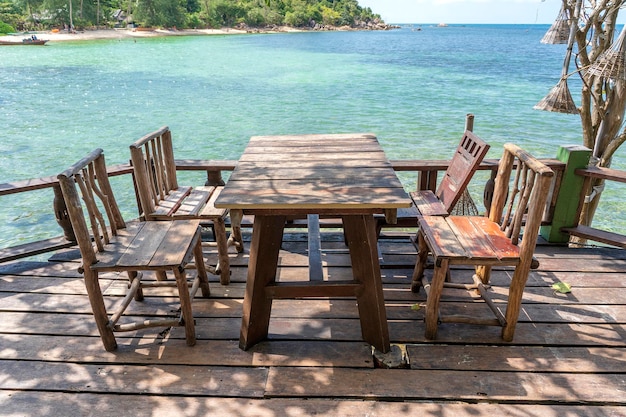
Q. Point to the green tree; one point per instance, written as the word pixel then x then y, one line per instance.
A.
pixel 5 28
pixel 192 6
pixel 296 13
pixel 10 17
pixel 58 11
pixel 226 13
pixel 184 13
pixel 330 16
pixel 262 13
pixel 160 13
pixel 349 12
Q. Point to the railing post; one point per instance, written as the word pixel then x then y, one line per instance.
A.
pixel 214 178
pixel 568 198
pixel 60 212
pixel 469 122
pixel 427 180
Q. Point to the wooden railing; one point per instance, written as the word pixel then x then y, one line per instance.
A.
pixel 426 178
pixel 212 168
pixel 591 233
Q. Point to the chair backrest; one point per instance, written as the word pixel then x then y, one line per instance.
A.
pixel 154 167
pixel 87 180
pixel 520 202
pixel 467 157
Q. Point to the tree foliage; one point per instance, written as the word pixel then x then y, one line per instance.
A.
pixel 43 14
pixel 163 13
pixel 10 17
pixel 6 28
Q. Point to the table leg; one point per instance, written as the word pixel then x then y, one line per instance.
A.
pixel 267 235
pixel 360 232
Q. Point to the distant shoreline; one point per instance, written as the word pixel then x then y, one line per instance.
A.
pixel 119 34
pixel 61 36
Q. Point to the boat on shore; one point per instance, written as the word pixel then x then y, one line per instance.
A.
pixel 25 41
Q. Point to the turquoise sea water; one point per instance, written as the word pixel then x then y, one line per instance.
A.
pixel 412 88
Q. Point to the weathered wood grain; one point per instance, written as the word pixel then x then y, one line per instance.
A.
pixel 430 385
pixel 567 357
pixel 53 404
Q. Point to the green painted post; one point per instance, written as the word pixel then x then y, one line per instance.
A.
pixel 566 206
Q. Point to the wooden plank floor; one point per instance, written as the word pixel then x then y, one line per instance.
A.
pixel 568 357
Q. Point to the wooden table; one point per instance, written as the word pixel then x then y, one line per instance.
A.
pixel 342 175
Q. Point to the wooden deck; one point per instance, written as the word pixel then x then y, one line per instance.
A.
pixel 568 357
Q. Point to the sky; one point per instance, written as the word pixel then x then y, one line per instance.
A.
pixel 465 11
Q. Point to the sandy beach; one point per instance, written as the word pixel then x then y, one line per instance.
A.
pixel 134 33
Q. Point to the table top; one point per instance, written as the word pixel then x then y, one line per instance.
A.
pixel 321 171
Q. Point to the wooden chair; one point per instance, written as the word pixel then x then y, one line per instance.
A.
pixel 467 157
pixel 487 242
pixel 161 198
pixel 109 244
pixel 466 160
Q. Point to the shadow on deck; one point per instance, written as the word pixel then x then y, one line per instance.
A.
pixel 568 357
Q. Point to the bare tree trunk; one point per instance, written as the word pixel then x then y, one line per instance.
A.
pixel 603 101
pixel 71 18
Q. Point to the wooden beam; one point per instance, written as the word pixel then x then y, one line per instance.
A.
pixel 603 173
pixel 597 235
pixel 34 248
pixel 316 272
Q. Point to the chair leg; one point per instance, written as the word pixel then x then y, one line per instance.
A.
pixel 484 273
pixel 420 264
pixel 185 306
pixel 99 310
pixel 133 275
pixel 235 239
pixel 434 294
pixel 516 291
pixel 201 270
pixel 223 266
